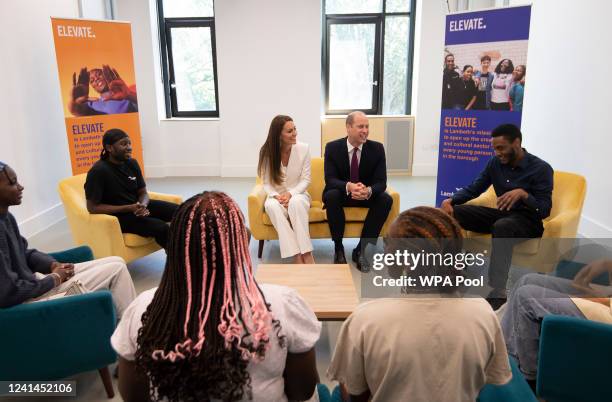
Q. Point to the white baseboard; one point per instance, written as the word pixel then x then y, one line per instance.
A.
pixel 181 170
pixel 41 221
pixel 239 171
pixel 424 169
pixel 591 228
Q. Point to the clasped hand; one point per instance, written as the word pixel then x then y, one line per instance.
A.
pixel 140 209
pixel 284 198
pixel 358 191
pixel 65 271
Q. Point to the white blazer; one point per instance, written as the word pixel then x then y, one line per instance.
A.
pixel 297 173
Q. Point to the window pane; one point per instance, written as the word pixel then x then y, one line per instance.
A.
pixel 188 8
pixel 193 69
pixel 396 65
pixel 351 66
pixel 398 6
pixel 353 6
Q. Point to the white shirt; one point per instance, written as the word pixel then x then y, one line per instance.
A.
pixel 298 323
pixel 296 175
pixel 351 149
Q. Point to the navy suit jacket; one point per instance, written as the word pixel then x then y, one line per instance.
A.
pixel 372 166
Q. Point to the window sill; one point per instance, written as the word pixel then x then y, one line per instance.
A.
pixel 190 119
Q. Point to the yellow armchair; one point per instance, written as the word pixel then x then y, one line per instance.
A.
pixel 262 229
pixel 102 232
pixel 560 228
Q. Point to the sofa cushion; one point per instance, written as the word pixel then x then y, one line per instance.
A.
pixel 133 240
pixel 318 214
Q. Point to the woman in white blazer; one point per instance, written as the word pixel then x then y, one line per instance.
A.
pixel 284 166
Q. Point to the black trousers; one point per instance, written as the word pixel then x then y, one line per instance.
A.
pixel 507 228
pixel 155 225
pixel 378 210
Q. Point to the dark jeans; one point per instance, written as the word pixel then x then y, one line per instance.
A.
pixel 507 228
pixel 155 225
pixel 378 210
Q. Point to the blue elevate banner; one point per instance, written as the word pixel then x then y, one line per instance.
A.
pixel 483 86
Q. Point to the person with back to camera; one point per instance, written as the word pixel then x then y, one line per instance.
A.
pixel 523 184
pixel 284 166
pixel 115 186
pixel 210 332
pixel 29 275
pixel 432 344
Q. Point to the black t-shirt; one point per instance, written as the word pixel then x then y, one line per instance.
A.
pixel 451 87
pixel 112 184
pixel 468 91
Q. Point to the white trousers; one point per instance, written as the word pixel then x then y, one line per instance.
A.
pixel 291 224
pixel 108 273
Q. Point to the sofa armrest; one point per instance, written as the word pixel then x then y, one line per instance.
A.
pixel 395 208
pixel 575 359
pixel 175 199
pixel 256 200
pixel 54 339
pixel 563 225
pixel 74 255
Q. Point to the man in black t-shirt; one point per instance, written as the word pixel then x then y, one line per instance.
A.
pixel 115 186
pixel 451 84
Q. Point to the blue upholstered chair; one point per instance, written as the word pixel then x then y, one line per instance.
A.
pixel 574 360
pixel 517 390
pixel 58 338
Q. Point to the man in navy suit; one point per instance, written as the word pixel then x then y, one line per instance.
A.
pixel 356 176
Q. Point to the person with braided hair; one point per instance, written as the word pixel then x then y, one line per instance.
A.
pixel 433 345
pixel 210 332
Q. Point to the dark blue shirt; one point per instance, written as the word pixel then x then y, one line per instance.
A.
pixel 531 174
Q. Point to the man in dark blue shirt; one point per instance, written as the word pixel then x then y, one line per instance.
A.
pixel 523 184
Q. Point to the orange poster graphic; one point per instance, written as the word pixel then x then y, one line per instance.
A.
pixel 98 86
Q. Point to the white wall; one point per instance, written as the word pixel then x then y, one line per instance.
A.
pixel 268 62
pixel 567 98
pixel 32 130
pixel 427 79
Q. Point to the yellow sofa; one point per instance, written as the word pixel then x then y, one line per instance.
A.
pixel 262 229
pixel 102 232
pixel 560 228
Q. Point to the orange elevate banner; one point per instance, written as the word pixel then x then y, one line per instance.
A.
pixel 98 86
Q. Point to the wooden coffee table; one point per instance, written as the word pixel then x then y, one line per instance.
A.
pixel 327 288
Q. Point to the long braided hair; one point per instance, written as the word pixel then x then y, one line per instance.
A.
pixel 208 318
pixel 426 230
